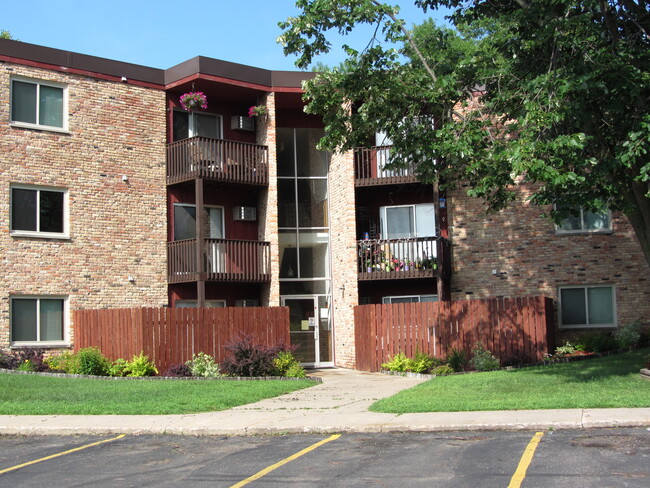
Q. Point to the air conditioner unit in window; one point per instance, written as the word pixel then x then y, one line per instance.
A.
pixel 240 122
pixel 245 213
pixel 247 303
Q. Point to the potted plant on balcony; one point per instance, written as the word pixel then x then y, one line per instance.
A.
pixel 258 111
pixel 193 101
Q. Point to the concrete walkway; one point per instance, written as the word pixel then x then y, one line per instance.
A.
pixel 339 404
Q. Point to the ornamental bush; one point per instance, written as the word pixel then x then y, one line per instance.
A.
pixel 482 359
pixel 248 359
pixel 91 361
pixel 203 364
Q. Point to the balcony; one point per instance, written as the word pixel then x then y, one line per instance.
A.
pixel 227 260
pixel 408 258
pixel 369 168
pixel 217 160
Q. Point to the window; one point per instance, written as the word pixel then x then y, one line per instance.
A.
pixel 248 302
pixel 38 320
pixel 581 220
pixel 404 221
pixel 39 211
pixel 192 124
pixel 587 306
pixel 194 303
pixel 185 221
pixel 410 299
pixel 38 104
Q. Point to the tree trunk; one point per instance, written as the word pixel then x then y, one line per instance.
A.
pixel 640 215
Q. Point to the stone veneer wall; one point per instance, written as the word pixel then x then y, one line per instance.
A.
pixel 117 228
pixel 268 203
pixel 343 249
pixel 531 259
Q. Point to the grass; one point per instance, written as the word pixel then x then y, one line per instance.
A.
pixel 43 395
pixel 607 382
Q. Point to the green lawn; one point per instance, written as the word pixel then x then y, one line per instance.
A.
pixel 42 395
pixel 608 382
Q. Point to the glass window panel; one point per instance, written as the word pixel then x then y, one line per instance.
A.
pixel 215 216
pixel 595 221
pixel 23 102
pixel 399 222
pixel 51 319
pixel 425 220
pixel 181 125
pixel 206 125
pixel 310 161
pixel 574 309
pixel 286 203
pixel 573 221
pixel 184 222
pixel 286 152
pixel 50 106
pixel 429 298
pixel 23 320
pixel 314 247
pixel 23 209
pixel 51 211
pixel 316 287
pixel 288 254
pixel 600 302
pixel 312 203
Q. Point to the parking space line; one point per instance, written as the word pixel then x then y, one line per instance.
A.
pixel 524 462
pixel 70 451
pixel 266 471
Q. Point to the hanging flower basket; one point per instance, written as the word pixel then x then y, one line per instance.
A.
pixel 194 101
pixel 258 111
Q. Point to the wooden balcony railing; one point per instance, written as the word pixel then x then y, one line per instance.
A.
pixel 223 260
pixel 415 257
pixel 218 160
pixel 370 168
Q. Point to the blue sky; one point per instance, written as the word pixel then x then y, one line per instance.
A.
pixel 163 33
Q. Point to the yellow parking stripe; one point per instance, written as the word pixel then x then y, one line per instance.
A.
pixel 526 458
pixel 266 471
pixel 13 468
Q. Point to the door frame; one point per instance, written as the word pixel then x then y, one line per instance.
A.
pixel 317 360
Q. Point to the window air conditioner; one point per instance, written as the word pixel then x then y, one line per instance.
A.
pixel 245 213
pixel 240 122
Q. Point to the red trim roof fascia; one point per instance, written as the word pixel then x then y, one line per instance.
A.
pixel 229 81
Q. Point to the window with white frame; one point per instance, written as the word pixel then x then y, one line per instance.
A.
pixel 404 221
pixel 195 303
pixel 410 299
pixel 38 104
pixel 581 220
pixel 39 211
pixel 38 320
pixel 185 221
pixel 192 124
pixel 587 306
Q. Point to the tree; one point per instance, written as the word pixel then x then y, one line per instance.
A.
pixel 4 34
pixel 553 92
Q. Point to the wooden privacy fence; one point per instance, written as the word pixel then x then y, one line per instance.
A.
pixel 511 328
pixel 171 335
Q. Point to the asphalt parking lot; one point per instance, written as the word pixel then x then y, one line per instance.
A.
pixel 589 458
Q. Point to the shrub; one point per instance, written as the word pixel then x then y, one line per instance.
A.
pixel 5 360
pixel 91 361
pixel 180 370
pixel 595 341
pixel 28 359
pixel 120 367
pixel 140 365
pixel 64 363
pixel 482 359
pixel 457 360
pixel 565 350
pixel 203 364
pixel 26 365
pixel 442 369
pixel 248 359
pixel 628 336
pixel 423 363
pixel 399 363
pixel 285 364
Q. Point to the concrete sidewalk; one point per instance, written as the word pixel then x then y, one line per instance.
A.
pixel 339 404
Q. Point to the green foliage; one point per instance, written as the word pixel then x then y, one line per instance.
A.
pixel 26 365
pixel 66 362
pixel 120 367
pixel 203 364
pixel 91 361
pixel 140 365
pixel 422 363
pixel 628 335
pixel 482 359
pixel 564 104
pixel 285 364
pixel 442 370
pixel 399 362
pixel 457 360
pixel 564 350
pixel 600 341
pixel 5 34
pixel 26 359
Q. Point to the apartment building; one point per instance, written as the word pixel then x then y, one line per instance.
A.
pixel 113 195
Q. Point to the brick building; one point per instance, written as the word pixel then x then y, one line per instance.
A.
pixel 115 196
